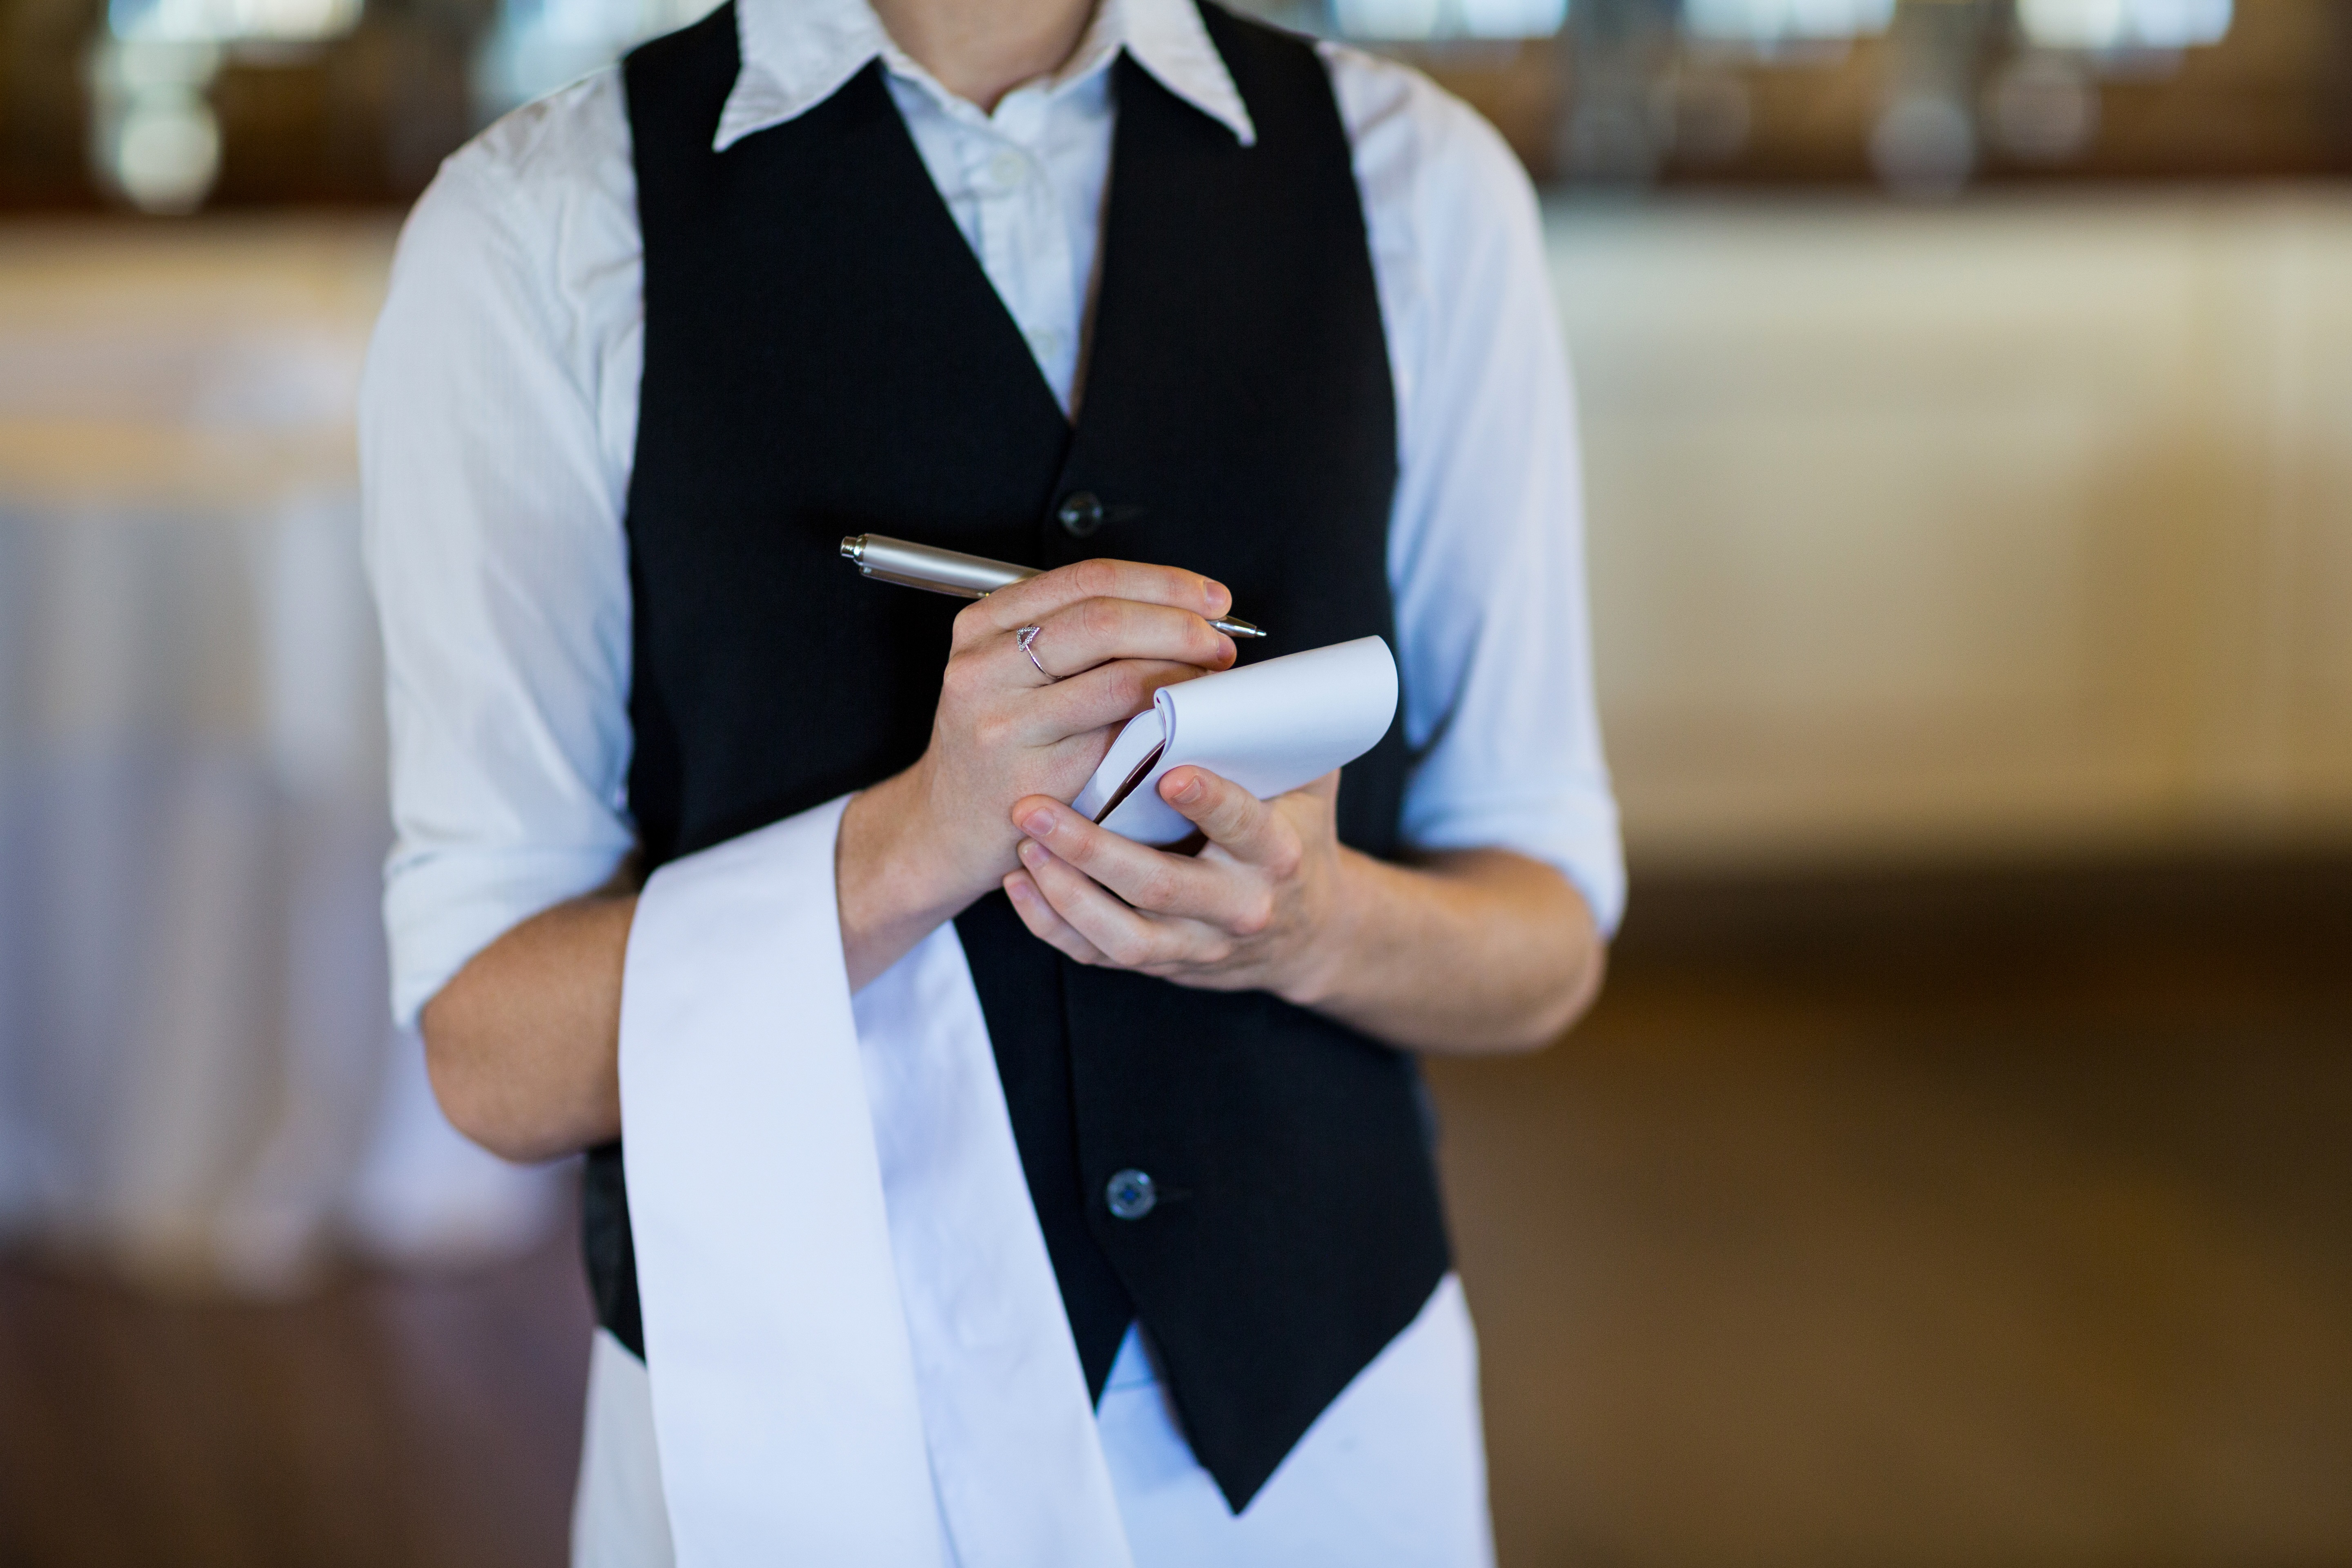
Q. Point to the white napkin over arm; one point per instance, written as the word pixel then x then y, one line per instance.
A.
pixel 857 1347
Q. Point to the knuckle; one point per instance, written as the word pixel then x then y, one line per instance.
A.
pixel 1097 619
pixel 1255 916
pixel 966 675
pixel 972 623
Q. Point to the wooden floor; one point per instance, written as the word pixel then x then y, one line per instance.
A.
pixel 1984 1221
pixel 1981 1220
pixel 389 1424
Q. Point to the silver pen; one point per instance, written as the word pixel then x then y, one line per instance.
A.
pixel 950 572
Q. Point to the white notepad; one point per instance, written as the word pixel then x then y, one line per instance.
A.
pixel 1269 727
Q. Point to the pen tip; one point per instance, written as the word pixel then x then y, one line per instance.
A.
pixel 854 547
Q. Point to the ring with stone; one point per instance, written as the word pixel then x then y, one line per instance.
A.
pixel 1026 635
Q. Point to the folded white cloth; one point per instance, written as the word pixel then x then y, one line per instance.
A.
pixel 857 1347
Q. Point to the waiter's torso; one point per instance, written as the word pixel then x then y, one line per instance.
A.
pixel 825 357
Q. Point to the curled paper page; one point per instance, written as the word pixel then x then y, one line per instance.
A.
pixel 1269 727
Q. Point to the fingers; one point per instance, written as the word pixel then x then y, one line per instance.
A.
pixel 1045 923
pixel 1247 829
pixel 1106 695
pixel 1042 596
pixel 1080 636
pixel 1151 880
pixel 1116 933
pixel 1107 656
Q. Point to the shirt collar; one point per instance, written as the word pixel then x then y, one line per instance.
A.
pixel 798 53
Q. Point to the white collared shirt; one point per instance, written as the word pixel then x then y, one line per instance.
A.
pixel 498 425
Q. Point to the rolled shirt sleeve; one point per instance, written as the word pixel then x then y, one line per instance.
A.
pixel 1486 541
pixel 490 428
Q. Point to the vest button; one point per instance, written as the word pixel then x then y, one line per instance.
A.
pixel 1080 514
pixel 1131 1195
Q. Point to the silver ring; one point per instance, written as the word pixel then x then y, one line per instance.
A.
pixel 1028 635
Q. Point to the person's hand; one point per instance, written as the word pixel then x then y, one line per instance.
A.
pixel 918 847
pixel 1254 910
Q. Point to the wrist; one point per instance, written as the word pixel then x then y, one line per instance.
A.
pixel 1325 957
pixel 887 873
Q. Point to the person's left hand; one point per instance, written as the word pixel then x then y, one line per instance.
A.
pixel 1254 910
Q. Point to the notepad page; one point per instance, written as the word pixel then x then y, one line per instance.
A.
pixel 1269 727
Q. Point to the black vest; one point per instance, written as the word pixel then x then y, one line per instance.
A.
pixel 825 357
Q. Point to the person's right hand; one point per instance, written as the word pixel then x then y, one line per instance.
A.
pixel 916 848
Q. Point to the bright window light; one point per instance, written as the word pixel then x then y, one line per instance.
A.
pixel 1512 18
pixel 1785 21
pixel 2123 23
pixel 538 46
pixel 225 21
pixel 1404 19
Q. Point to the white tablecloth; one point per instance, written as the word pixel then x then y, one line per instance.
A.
pixel 198 1079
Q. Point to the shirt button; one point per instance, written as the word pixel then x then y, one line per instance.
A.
pixel 1080 515
pixel 1044 342
pixel 1007 169
pixel 1131 1195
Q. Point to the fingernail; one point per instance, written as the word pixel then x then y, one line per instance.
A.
pixel 1190 789
pixel 1039 822
pixel 1032 852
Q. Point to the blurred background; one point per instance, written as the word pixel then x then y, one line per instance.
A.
pixel 1959 1170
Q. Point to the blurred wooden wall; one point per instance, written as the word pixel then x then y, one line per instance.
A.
pixel 2022 525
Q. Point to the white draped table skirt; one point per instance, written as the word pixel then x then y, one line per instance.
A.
pixel 199 1078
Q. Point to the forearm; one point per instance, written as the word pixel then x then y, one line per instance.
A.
pixel 524 1043
pixel 893 886
pixel 1470 951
